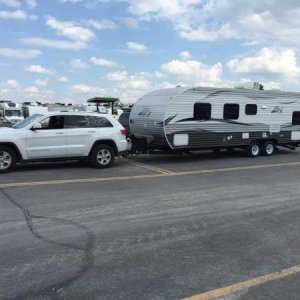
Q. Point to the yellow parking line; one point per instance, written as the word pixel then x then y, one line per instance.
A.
pixel 162 174
pixel 82 180
pixel 149 167
pixel 237 168
pixel 245 284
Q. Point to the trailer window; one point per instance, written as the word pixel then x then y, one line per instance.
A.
pixel 231 111
pixel 251 109
pixel 202 111
pixel 296 118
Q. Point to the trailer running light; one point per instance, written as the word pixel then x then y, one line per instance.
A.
pixel 123 131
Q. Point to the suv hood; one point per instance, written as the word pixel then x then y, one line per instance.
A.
pixel 6 130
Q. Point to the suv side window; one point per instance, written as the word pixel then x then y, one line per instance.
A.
pixel 53 122
pixel 99 122
pixel 78 122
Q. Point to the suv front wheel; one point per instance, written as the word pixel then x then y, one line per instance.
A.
pixel 102 156
pixel 8 159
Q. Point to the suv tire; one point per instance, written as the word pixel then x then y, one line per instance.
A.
pixel 8 159
pixel 102 156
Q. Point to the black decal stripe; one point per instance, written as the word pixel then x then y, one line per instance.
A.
pixel 218 120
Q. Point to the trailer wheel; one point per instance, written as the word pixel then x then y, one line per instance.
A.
pixel 8 159
pixel 268 148
pixel 254 149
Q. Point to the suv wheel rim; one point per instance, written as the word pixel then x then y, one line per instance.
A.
pixel 269 149
pixel 104 157
pixel 5 160
pixel 255 150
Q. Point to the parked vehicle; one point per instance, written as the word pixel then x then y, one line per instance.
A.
pixel 33 109
pixel 67 136
pixel 124 120
pixel 10 113
pixel 180 119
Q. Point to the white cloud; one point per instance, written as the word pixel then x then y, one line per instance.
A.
pixel 11 3
pixel 11 89
pixel 56 44
pixel 86 89
pixel 193 72
pixel 131 23
pixel 16 14
pixel 78 64
pixel 185 55
pixel 117 76
pixel 19 54
pixel 41 82
pixel 71 1
pixel 103 62
pixel 102 24
pixel 31 89
pixel 136 46
pixel 40 70
pixel 63 79
pixel 265 21
pixel 267 60
pixel 158 9
pixel 31 3
pixel 70 30
pixel 10 84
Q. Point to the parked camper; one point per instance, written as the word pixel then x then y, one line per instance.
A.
pixel 10 113
pixel 180 119
pixel 30 109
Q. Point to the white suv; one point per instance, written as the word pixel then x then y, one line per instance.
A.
pixel 97 138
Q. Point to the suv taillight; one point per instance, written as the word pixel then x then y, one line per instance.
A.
pixel 123 131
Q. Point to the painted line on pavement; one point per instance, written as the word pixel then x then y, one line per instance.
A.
pixel 149 167
pixel 225 291
pixel 100 179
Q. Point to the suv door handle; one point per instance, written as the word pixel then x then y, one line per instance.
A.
pixel 60 133
pixel 91 131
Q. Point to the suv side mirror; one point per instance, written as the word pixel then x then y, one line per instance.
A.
pixel 36 126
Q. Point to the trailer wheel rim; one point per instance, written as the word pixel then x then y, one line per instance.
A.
pixel 104 157
pixel 255 150
pixel 270 149
pixel 5 160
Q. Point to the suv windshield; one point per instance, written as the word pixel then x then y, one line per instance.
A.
pixel 26 121
pixel 12 113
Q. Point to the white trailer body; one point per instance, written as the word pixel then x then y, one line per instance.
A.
pixel 10 113
pixel 29 110
pixel 209 118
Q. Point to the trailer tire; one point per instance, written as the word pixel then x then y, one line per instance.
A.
pixel 254 149
pixel 8 159
pixel 102 156
pixel 268 148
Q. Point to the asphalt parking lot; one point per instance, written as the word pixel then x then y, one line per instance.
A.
pixel 206 226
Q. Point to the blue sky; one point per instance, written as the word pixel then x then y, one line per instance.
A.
pixel 71 50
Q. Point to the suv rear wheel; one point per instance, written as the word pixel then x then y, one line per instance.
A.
pixel 102 156
pixel 8 159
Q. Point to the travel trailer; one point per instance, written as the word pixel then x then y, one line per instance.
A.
pixel 185 119
pixel 10 113
pixel 33 108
